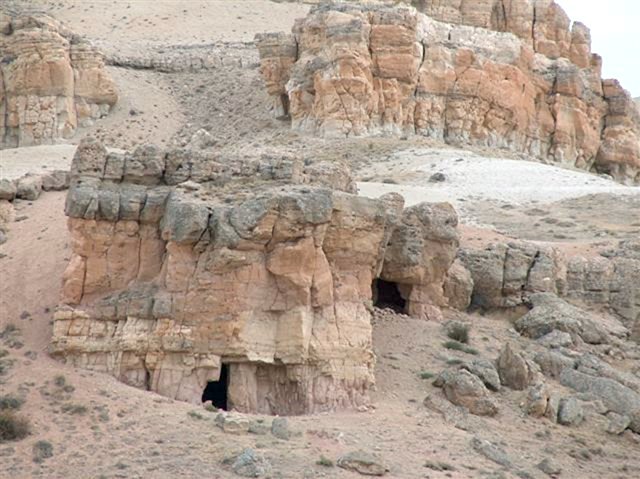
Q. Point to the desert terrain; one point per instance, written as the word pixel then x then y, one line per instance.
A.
pixel 87 424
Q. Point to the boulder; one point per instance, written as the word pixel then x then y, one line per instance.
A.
pixel 550 313
pixel 570 412
pixel 250 463
pixel 7 189
pixel 615 396
pixel 56 180
pixel 514 370
pixel 537 400
pixel 363 463
pixel 29 187
pixel 467 390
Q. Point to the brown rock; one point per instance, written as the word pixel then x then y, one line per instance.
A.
pixel 514 370
pixel 525 80
pixel 181 279
pixel 51 81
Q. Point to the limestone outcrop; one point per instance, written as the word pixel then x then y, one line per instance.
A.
pixel 189 269
pixel 51 82
pixel 506 74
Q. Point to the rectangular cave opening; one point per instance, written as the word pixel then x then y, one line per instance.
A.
pixel 386 294
pixel 217 391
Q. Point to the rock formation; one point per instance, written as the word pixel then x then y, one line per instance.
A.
pixel 509 74
pixel 188 267
pixel 507 275
pixel 51 82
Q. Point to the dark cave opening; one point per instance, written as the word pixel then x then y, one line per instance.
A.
pixel 386 294
pixel 216 391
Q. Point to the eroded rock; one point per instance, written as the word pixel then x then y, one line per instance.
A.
pixel 51 82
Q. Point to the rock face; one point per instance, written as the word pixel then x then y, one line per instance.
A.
pixel 186 265
pixel 509 274
pixel 510 76
pixel 51 82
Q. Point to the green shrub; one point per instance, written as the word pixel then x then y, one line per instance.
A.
pixel 12 426
pixel 10 402
pixel 324 461
pixel 60 381
pixel 42 450
pixel 457 346
pixel 458 332
pixel 71 408
pixel 426 375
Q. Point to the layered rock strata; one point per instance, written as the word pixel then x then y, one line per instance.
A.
pixel 533 86
pixel 185 263
pixel 51 82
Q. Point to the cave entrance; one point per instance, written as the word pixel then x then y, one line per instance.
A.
pixel 216 391
pixel 386 294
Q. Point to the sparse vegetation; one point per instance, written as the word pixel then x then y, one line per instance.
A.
pixel 60 381
pixel 426 375
pixel 458 346
pixel 325 462
pixel 210 407
pixel 439 466
pixel 13 427
pixel 42 450
pixel 71 408
pixel 195 415
pixel 458 331
pixel 11 402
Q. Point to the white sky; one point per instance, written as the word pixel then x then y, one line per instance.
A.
pixel 615 35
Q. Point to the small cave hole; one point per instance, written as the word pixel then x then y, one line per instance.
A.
pixel 386 294
pixel 216 391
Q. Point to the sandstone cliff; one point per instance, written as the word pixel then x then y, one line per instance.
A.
pixel 513 75
pixel 184 262
pixel 51 81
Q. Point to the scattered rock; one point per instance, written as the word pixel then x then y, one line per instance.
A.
pixel 556 339
pixel 491 451
pixel 551 313
pixel 552 363
pixel 570 412
pixel 437 178
pixel 615 396
pixel 29 187
pixel 7 189
pixel 259 426
pixel 549 467
pixel 56 180
pixel 363 463
pixel 514 370
pixel 486 371
pixel 465 389
pixel 537 400
pixel 280 428
pixel 249 463
pixel 233 423
pixel 618 423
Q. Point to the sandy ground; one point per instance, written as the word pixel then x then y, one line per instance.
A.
pixel 137 24
pixel 469 176
pixel 16 162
